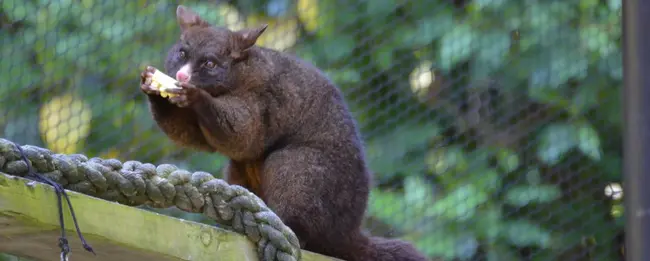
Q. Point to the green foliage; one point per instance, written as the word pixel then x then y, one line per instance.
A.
pixel 455 180
pixel 523 195
pixel 388 153
pixel 5 257
pixel 558 139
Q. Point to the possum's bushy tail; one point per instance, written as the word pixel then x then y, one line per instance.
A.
pixel 384 249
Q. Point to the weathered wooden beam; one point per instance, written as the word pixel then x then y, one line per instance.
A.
pixel 29 228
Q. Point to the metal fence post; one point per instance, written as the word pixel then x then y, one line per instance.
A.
pixel 636 60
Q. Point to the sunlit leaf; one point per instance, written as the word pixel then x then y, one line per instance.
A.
pixel 422 78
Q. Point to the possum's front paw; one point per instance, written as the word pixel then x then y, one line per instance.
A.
pixel 155 82
pixel 186 95
pixel 146 80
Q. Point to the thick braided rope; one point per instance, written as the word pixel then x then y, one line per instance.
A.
pixel 134 183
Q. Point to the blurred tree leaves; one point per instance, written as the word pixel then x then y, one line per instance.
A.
pixel 553 69
pixel 389 154
pixel 65 123
pixel 523 195
pixel 456 45
pixel 558 139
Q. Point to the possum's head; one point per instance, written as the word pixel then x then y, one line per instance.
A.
pixel 205 54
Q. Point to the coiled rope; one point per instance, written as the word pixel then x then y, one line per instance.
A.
pixel 135 183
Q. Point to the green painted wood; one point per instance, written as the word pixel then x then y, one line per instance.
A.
pixel 29 228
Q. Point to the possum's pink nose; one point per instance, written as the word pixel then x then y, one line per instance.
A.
pixel 182 76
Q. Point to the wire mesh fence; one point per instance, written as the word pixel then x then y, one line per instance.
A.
pixel 493 126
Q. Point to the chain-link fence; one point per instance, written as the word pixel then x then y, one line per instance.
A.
pixel 493 126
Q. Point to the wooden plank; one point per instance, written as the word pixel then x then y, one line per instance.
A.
pixel 29 228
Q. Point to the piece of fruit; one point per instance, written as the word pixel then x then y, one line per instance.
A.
pixel 163 82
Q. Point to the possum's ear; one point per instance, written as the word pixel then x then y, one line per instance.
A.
pixel 187 18
pixel 247 37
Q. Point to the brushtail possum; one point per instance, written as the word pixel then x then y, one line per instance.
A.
pixel 285 128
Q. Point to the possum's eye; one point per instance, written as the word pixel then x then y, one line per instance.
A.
pixel 209 64
pixel 181 54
